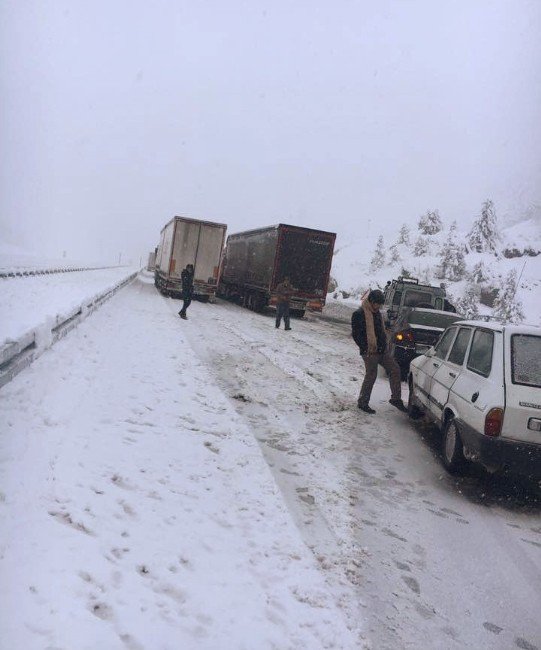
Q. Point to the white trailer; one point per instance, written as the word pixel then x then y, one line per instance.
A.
pixel 151 265
pixel 189 241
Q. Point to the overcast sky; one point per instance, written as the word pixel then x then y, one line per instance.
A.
pixel 347 116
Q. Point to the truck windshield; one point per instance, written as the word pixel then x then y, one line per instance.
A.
pixel 526 360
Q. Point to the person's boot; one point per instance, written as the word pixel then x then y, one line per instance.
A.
pixel 399 404
pixel 365 408
pixel 183 315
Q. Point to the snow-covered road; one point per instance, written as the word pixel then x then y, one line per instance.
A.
pixel 210 484
pixel 437 562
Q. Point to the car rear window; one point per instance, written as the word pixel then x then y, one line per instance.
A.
pixel 526 360
pixel 460 346
pixel 480 357
pixel 414 297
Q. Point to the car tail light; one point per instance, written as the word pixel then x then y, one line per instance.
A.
pixel 405 337
pixel 493 422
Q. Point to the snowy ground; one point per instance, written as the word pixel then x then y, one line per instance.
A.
pixel 210 484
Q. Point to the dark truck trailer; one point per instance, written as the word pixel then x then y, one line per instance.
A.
pixel 256 261
pixel 189 241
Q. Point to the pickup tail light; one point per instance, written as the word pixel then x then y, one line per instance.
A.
pixel 493 422
pixel 405 337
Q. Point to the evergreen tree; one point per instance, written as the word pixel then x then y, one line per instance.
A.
pixel 378 259
pixel 479 273
pixel 507 306
pixel 452 263
pixel 430 223
pixel 484 235
pixel 468 304
pixel 404 235
pixel 395 255
pixel 420 247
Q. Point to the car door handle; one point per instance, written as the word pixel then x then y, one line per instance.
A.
pixel 452 374
pixel 474 397
pixel 437 365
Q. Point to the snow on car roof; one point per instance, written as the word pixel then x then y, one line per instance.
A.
pixel 522 328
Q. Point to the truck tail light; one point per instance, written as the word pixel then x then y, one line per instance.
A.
pixel 405 337
pixel 493 422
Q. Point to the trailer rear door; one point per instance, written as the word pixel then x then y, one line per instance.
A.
pixel 305 257
pixel 209 250
pixel 184 247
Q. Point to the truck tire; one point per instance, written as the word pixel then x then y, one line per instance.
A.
pixel 452 449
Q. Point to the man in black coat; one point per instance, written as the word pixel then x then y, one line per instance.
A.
pixel 368 331
pixel 186 278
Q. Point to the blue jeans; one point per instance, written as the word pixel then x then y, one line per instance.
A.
pixel 282 311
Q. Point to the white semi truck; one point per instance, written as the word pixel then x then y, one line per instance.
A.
pixel 189 241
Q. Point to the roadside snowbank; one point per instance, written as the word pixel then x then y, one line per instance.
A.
pixel 137 509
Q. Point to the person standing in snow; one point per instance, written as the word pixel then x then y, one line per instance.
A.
pixel 368 331
pixel 186 278
pixel 283 293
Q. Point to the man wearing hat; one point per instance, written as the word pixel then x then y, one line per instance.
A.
pixel 368 331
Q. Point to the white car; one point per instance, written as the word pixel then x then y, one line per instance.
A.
pixel 481 383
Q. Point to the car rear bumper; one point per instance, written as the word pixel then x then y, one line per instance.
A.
pixel 522 457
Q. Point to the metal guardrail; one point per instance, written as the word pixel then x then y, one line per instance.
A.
pixel 17 355
pixel 23 273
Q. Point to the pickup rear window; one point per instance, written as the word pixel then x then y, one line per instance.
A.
pixel 526 360
pixel 414 297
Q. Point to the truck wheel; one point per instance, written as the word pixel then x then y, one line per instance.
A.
pixel 413 410
pixel 259 304
pixel 452 449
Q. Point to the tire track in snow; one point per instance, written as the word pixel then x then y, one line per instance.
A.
pixel 280 429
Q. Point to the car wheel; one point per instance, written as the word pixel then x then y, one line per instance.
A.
pixel 413 410
pixel 452 449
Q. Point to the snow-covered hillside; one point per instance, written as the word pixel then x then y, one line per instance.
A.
pixel 516 258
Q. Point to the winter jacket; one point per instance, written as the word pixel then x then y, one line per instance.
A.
pixel 283 292
pixel 186 279
pixel 358 331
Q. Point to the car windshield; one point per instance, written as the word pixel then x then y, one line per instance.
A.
pixel 526 359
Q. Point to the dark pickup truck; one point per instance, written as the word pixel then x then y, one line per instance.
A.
pixel 415 332
pixel 415 316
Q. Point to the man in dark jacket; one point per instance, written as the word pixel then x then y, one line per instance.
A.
pixel 369 334
pixel 283 293
pixel 186 278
